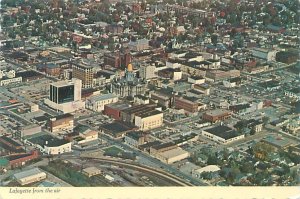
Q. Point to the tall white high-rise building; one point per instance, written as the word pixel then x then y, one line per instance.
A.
pixel 65 96
pixel 147 71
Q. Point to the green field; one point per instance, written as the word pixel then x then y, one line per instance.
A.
pixel 113 151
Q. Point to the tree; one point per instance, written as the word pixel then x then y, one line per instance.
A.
pixel 262 150
pixel 214 39
pixel 265 120
pixel 233 174
pixel 252 132
pixel 246 167
pixel 212 160
pixel 206 175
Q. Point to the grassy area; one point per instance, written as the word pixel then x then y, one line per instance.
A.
pixel 15 111
pixel 113 151
pixel 72 175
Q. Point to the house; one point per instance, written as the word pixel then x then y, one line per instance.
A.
pixel 293 93
pixel 202 88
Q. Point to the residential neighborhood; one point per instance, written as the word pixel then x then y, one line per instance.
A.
pixel 122 93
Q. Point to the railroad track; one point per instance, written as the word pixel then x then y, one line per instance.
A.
pixel 162 174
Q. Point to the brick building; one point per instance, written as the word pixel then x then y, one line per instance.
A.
pixel 52 69
pixel 117 59
pixel 114 110
pixel 61 122
pixel 187 105
pixel 19 160
pixel 128 114
pixel 216 115
pixel 9 146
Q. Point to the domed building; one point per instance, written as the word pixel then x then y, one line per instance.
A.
pixel 130 85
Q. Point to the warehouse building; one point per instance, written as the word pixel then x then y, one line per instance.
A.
pixel 168 153
pixel 91 171
pixel 149 120
pixel 222 134
pixel 30 176
pixel 97 102
pixel 116 129
pixel 49 144
pixel 128 114
pixel 114 110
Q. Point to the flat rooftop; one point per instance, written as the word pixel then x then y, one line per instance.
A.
pixel 139 108
pixel 119 106
pixel 163 145
pixel 47 140
pixel 277 141
pixel 135 134
pixel 173 153
pixel 28 173
pixel 223 132
pixel 91 170
pixel 28 74
pixel 217 112
pixel 11 149
pixel 150 144
pixel 117 127
pixel 10 141
pixel 102 97
pixel 62 83
pixel 63 116
pixel 149 113
pixel 18 156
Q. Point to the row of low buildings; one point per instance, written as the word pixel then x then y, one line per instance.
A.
pixel 165 152
pixel 13 154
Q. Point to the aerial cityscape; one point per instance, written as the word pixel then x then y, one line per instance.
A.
pixel 149 93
